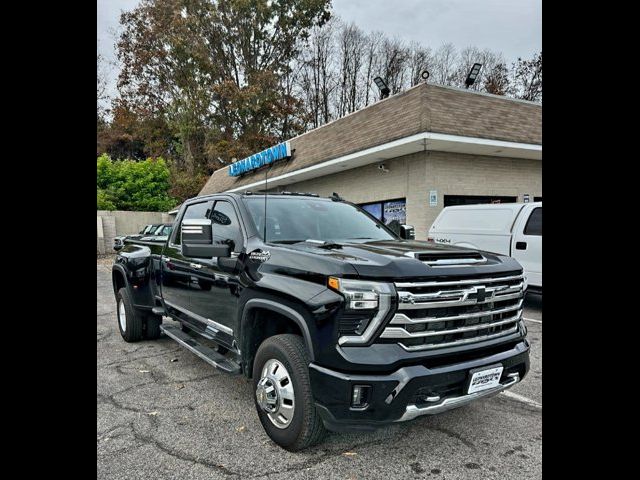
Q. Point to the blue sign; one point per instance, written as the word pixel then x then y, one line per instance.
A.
pixel 270 155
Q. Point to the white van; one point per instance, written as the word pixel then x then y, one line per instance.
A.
pixel 513 229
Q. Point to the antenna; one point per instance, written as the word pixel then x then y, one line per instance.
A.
pixel 264 224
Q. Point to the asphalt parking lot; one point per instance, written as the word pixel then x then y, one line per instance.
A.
pixel 164 413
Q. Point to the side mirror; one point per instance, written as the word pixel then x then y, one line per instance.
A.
pixel 197 240
pixel 407 232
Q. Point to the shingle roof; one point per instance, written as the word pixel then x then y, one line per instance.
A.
pixel 423 108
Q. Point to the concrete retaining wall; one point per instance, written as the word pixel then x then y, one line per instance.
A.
pixel 117 222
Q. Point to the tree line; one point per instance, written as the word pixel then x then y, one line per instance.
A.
pixel 205 82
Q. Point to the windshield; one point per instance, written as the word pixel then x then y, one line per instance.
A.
pixel 292 220
pixel 164 231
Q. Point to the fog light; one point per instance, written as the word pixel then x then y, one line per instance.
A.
pixel 360 397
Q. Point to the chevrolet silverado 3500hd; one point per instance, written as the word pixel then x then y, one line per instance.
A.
pixel 340 323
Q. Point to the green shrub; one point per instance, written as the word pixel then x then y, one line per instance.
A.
pixel 133 185
pixel 104 200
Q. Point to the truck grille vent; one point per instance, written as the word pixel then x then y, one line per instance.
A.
pixel 450 258
pixel 449 313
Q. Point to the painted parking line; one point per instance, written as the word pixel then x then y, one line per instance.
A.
pixel 522 399
pixel 531 320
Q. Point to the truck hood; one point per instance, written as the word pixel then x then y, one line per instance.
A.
pixel 389 259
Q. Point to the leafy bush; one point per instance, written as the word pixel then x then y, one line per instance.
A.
pixel 104 200
pixel 133 185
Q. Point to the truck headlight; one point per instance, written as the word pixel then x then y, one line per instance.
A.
pixel 364 296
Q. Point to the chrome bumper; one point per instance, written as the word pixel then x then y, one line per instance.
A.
pixel 414 411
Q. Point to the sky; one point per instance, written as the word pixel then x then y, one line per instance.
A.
pixel 513 27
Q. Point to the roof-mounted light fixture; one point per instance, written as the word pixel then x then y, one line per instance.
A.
pixel 473 74
pixel 382 86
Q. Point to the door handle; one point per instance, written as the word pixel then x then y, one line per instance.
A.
pixel 195 265
pixel 521 245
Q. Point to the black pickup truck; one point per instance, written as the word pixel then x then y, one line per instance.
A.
pixel 340 323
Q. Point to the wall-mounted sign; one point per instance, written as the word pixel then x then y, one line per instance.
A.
pixel 526 198
pixel 396 210
pixel 270 155
pixel 433 198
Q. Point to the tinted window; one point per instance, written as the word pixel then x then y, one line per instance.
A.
pixel 226 226
pixel 196 210
pixel 534 224
pixel 299 219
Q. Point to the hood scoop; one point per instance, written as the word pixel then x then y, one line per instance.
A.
pixel 449 259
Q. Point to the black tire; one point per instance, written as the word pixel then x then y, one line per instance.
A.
pixel 134 318
pixel 306 427
pixel 152 326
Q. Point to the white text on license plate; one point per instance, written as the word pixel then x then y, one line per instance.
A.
pixel 485 379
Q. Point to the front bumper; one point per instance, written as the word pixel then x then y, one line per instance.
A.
pixel 402 395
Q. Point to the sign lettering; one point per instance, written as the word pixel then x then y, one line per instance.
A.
pixel 270 155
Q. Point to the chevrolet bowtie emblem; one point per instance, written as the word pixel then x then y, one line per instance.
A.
pixel 479 294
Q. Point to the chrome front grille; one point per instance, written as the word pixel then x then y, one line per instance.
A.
pixel 455 312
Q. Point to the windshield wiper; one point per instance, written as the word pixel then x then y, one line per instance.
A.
pixel 323 243
pixel 286 242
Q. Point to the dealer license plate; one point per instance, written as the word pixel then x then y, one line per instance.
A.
pixel 485 379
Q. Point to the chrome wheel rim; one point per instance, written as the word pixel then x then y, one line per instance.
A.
pixel 274 393
pixel 122 316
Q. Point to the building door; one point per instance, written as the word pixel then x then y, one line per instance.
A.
pixel 450 200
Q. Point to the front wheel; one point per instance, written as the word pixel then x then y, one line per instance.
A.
pixel 283 393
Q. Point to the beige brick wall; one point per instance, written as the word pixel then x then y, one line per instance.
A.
pixel 413 176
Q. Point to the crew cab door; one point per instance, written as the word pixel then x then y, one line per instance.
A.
pixel 177 279
pixel 216 299
pixel 526 246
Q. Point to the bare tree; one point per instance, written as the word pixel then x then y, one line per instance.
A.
pixel 316 79
pixel 351 42
pixel 334 72
pixel 394 61
pixel 528 78
pixel 372 49
pixel 444 65
pixel 497 80
pixel 102 96
pixel 420 59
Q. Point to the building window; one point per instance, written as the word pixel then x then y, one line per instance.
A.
pixel 392 213
pixel 450 200
pixel 537 199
